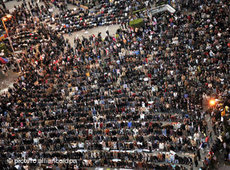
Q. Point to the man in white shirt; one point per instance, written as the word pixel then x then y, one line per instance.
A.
pixel 161 146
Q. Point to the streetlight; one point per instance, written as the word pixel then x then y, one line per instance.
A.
pixel 212 102
pixel 4 19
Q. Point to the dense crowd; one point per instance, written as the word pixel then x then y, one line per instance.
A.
pixel 221 126
pixel 133 100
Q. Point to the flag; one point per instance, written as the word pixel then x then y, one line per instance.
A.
pixel 3 60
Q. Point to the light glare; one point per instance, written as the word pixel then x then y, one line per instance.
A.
pixel 212 102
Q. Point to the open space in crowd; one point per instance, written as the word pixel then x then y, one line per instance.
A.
pixel 154 96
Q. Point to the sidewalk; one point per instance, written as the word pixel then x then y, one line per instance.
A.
pixel 7 81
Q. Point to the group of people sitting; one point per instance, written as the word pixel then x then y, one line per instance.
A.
pixel 133 100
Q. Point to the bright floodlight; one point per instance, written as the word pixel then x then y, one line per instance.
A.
pixel 212 102
pixel 4 19
pixel 8 16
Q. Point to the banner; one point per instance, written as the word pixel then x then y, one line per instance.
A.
pixel 3 60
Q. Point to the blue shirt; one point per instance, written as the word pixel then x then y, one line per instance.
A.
pixel 129 124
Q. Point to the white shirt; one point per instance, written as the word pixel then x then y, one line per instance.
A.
pixel 196 136
pixel 161 146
